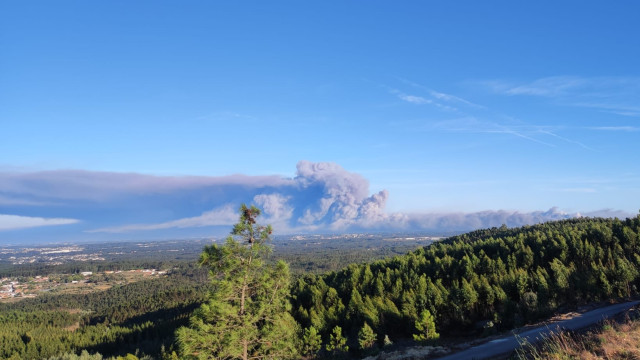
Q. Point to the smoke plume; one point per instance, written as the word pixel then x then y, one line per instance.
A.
pixel 321 197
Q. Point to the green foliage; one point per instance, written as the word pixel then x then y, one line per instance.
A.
pixel 506 276
pixel 311 341
pixel 127 357
pixel 366 337
pixel 83 356
pixel 246 314
pixel 426 327
pixel 137 316
pixel 337 342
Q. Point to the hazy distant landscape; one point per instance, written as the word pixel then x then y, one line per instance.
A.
pixel 342 249
pixel 27 272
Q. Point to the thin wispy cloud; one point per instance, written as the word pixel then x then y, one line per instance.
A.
pixel 449 97
pixel 482 120
pixel 520 135
pixel 551 86
pixel 613 108
pixel 7 201
pixel 473 125
pixel 618 95
pixel 15 222
pixel 421 100
pixel 441 95
pixel 226 215
pixel 626 113
pixel 422 95
pixel 615 128
pixel 566 139
pixel 414 99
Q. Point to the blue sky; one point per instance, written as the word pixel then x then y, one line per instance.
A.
pixel 449 106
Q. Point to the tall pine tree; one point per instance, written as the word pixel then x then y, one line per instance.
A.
pixel 246 315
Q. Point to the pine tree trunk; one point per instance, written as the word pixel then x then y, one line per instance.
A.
pixel 245 350
pixel 244 287
pixel 245 342
pixel 242 296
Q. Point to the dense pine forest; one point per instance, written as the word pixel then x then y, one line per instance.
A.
pixel 479 282
pixel 475 284
pixel 137 317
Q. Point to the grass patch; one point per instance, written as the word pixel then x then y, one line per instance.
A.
pixel 610 341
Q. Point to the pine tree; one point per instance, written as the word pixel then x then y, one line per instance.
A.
pixel 246 315
pixel 426 327
pixel 311 341
pixel 337 342
pixel 366 337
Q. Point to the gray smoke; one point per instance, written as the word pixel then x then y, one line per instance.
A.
pixel 100 186
pixel 483 219
pixel 345 200
pixel 322 197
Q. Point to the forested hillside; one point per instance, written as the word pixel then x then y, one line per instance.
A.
pixel 477 282
pixel 139 316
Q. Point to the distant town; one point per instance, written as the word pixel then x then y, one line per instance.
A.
pixel 49 255
pixel 85 281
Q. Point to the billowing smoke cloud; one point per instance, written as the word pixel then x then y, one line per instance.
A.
pixel 322 197
pixel 275 207
pixel 344 200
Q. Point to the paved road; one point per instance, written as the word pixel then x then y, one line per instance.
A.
pixel 509 343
